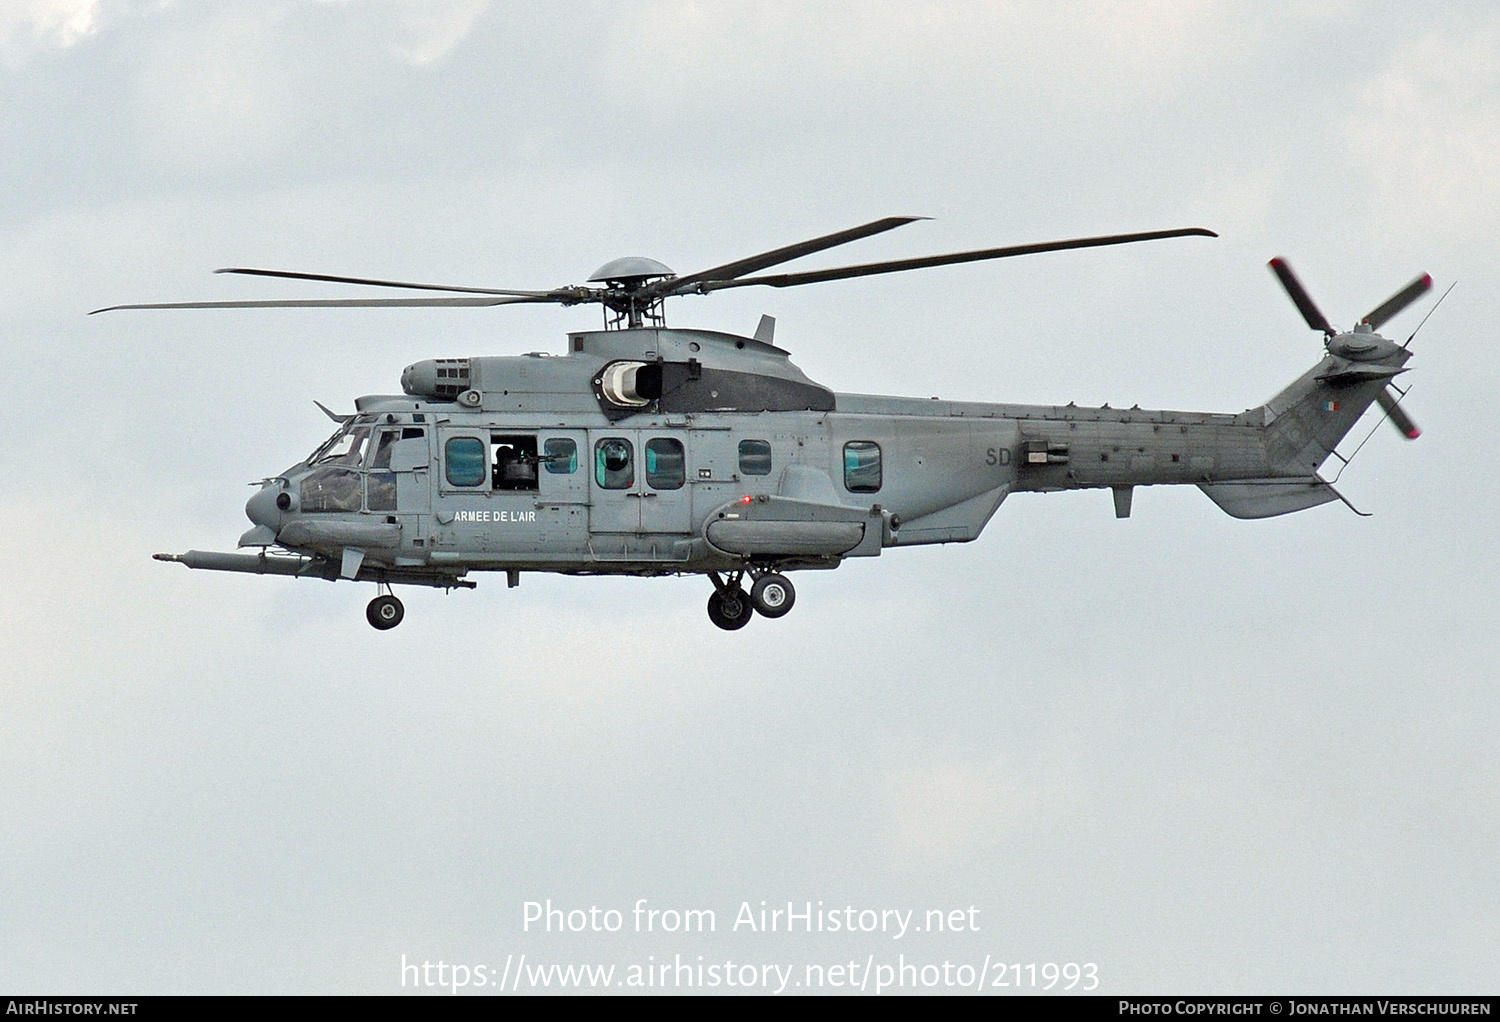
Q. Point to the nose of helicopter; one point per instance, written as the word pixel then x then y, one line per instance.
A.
pixel 263 510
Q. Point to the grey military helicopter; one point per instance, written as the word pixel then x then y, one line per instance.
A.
pixel 646 450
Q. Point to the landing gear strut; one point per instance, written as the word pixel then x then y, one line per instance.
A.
pixel 730 607
pixel 385 611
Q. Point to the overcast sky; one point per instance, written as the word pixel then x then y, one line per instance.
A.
pixel 1206 755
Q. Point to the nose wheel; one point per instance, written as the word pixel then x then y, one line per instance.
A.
pixel 385 612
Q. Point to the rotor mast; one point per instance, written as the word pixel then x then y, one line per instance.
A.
pixel 628 304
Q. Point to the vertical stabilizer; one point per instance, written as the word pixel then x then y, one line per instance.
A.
pixel 1306 421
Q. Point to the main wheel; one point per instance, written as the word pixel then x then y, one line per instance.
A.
pixel 773 595
pixel 730 609
pixel 385 612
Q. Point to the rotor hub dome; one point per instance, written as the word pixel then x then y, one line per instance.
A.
pixel 630 268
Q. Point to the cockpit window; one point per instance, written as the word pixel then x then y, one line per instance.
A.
pixel 382 456
pixel 345 447
pixel 322 448
pixel 386 441
pixel 331 489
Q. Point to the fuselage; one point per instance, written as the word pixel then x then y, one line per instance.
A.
pixel 727 455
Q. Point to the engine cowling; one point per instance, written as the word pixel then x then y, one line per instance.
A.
pixel 439 379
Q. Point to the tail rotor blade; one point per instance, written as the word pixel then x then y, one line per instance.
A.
pixel 1300 297
pixel 1391 404
pixel 1398 301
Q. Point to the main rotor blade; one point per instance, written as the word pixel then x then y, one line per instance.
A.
pixel 899 265
pixel 1398 301
pixel 1300 297
pixel 1391 404
pixel 291 275
pixel 729 271
pixel 334 303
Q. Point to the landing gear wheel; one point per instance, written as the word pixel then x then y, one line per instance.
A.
pixel 773 595
pixel 385 612
pixel 730 609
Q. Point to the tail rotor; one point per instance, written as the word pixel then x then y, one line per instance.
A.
pixel 1362 352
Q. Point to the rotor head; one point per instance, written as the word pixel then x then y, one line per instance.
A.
pixel 630 270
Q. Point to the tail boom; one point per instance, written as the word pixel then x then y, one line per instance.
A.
pixel 1257 464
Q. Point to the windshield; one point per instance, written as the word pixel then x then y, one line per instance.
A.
pixel 344 448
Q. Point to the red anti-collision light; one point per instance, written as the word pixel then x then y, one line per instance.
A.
pixel 746 499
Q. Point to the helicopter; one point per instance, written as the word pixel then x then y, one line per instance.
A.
pixel 645 450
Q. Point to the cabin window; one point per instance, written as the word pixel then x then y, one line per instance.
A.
pixel 755 457
pixel 666 464
pixel 560 455
pixel 466 461
pixel 862 466
pixel 614 463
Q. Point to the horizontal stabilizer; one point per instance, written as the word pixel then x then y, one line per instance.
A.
pixel 1353 372
pixel 1266 498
